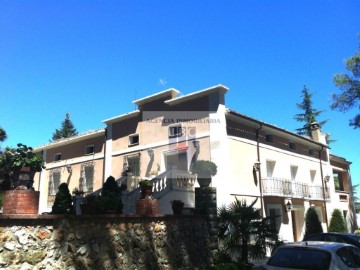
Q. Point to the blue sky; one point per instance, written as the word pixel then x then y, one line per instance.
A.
pixel 93 58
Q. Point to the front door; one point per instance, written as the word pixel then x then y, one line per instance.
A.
pixel 177 161
pixel 294 227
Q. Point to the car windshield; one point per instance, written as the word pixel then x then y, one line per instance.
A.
pixel 301 258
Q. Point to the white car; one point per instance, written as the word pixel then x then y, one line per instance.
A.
pixel 314 255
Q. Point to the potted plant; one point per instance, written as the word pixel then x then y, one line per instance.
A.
pixel 18 166
pixel 77 192
pixel 146 188
pixel 17 169
pixel 204 169
pixel 177 206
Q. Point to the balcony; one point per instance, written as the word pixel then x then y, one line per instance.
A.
pixel 293 189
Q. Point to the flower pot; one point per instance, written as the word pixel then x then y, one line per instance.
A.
pixel 177 210
pixel 204 181
pixel 23 178
pixel 146 191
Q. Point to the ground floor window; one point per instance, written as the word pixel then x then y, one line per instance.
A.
pixel 274 212
pixel 54 182
pixel 87 177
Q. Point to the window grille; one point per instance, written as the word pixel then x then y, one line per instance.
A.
pixel 132 162
pixel 54 182
pixel 87 177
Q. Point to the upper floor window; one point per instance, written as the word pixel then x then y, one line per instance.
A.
pixel 133 139
pixel 311 152
pixel 312 175
pixel 338 181
pixel 269 138
pixel 293 170
pixel 175 130
pixel 292 145
pixel 270 166
pixel 57 157
pixel 89 149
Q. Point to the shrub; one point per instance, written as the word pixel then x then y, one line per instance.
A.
pixel 63 201
pixel 312 223
pixel 337 222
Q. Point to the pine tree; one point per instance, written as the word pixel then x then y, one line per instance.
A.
pixel 63 201
pixel 337 222
pixel 309 114
pixel 3 135
pixel 67 129
pixel 312 223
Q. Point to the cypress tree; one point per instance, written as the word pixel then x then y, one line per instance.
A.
pixel 63 201
pixel 312 223
pixel 67 129
pixel 337 222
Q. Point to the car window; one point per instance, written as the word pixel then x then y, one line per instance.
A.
pixel 355 237
pixel 334 238
pixel 317 237
pixel 350 256
pixel 301 258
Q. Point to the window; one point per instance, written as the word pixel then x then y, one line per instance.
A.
pixel 338 181
pixel 292 145
pixel 312 175
pixel 311 152
pixel 275 218
pixel 89 149
pixel 350 256
pixel 133 139
pixel 87 177
pixel 132 162
pixel 293 171
pixel 54 182
pixel 175 131
pixel 269 138
pixel 270 165
pixel 57 157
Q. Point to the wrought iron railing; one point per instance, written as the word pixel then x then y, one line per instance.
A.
pixel 290 188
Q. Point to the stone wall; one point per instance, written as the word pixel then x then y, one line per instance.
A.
pixel 104 242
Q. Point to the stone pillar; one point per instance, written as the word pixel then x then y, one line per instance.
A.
pixel 205 204
pixel 21 202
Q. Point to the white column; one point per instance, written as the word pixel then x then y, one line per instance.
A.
pixel 108 152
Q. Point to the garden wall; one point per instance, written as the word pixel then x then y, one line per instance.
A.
pixel 104 242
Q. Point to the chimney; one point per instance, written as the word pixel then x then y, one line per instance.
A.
pixel 316 133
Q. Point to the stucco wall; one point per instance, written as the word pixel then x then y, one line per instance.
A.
pixel 104 242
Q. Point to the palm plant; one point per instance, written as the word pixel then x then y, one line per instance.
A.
pixel 243 230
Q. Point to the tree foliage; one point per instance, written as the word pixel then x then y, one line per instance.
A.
pixel 239 223
pixel 350 89
pixel 312 223
pixel 63 201
pixel 67 129
pixel 309 114
pixel 337 222
pixel 3 135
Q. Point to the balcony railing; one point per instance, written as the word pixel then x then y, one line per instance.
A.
pixel 294 189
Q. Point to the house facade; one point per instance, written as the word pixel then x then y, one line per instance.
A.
pixel 286 173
